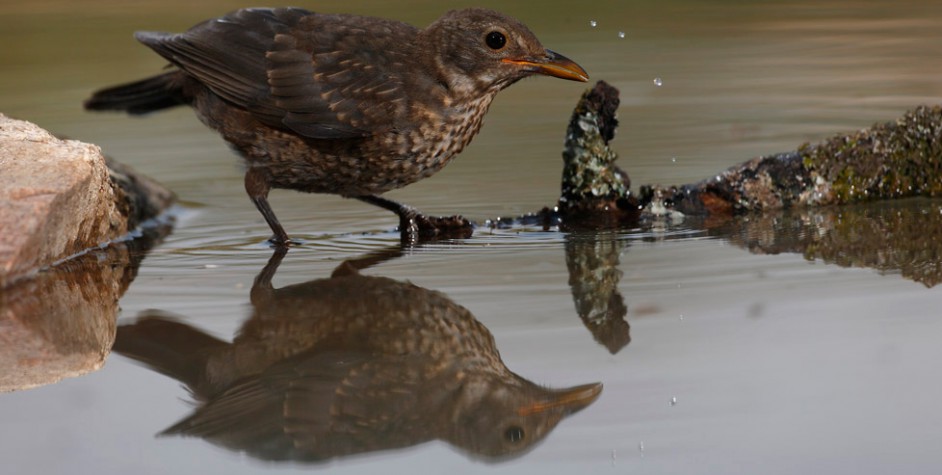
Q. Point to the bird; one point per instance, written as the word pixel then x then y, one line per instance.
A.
pixel 341 104
pixel 346 365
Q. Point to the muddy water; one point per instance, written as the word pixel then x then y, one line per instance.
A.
pixel 788 344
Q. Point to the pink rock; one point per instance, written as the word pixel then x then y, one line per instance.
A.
pixel 59 303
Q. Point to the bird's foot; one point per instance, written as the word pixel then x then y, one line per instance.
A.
pixel 281 242
pixel 416 227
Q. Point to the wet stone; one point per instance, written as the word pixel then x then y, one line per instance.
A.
pixel 66 252
pixel 897 159
pixel 61 197
pixel 595 192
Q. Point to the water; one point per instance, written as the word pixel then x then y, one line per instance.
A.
pixel 787 358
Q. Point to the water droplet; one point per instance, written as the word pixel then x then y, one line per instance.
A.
pixel 593 23
pixel 673 401
pixel 621 34
pixel 658 82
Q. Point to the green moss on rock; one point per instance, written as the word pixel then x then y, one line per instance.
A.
pixel 892 160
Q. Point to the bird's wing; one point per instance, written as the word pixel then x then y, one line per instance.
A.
pixel 340 405
pixel 252 414
pixel 322 76
pixel 313 406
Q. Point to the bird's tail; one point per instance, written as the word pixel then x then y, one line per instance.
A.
pixel 168 346
pixel 140 97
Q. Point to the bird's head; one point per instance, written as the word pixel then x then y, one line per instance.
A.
pixel 478 49
pixel 497 418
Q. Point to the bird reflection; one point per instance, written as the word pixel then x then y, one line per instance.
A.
pixel 347 365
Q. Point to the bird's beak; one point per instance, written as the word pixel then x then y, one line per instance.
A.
pixel 567 400
pixel 555 65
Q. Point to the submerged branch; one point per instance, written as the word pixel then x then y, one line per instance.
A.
pixel 896 159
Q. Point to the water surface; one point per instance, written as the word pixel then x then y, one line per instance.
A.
pixel 722 349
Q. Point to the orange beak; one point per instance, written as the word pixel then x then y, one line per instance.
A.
pixel 555 65
pixel 564 400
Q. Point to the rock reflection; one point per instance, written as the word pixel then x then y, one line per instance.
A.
pixel 60 322
pixel 893 237
pixel 347 365
pixel 593 260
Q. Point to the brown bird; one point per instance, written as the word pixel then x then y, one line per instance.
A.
pixel 350 364
pixel 342 104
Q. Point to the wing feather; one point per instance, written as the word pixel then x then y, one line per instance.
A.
pixel 316 75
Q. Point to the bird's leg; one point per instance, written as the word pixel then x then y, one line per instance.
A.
pixel 415 227
pixel 256 185
pixel 408 226
pixel 354 266
pixel 262 287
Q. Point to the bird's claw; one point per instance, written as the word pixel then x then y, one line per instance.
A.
pixel 282 242
pixel 420 228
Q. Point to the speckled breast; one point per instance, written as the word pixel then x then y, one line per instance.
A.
pixel 355 167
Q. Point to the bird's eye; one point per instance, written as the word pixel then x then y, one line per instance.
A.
pixel 495 40
pixel 514 434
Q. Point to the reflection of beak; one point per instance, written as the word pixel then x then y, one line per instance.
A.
pixel 555 65
pixel 564 400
